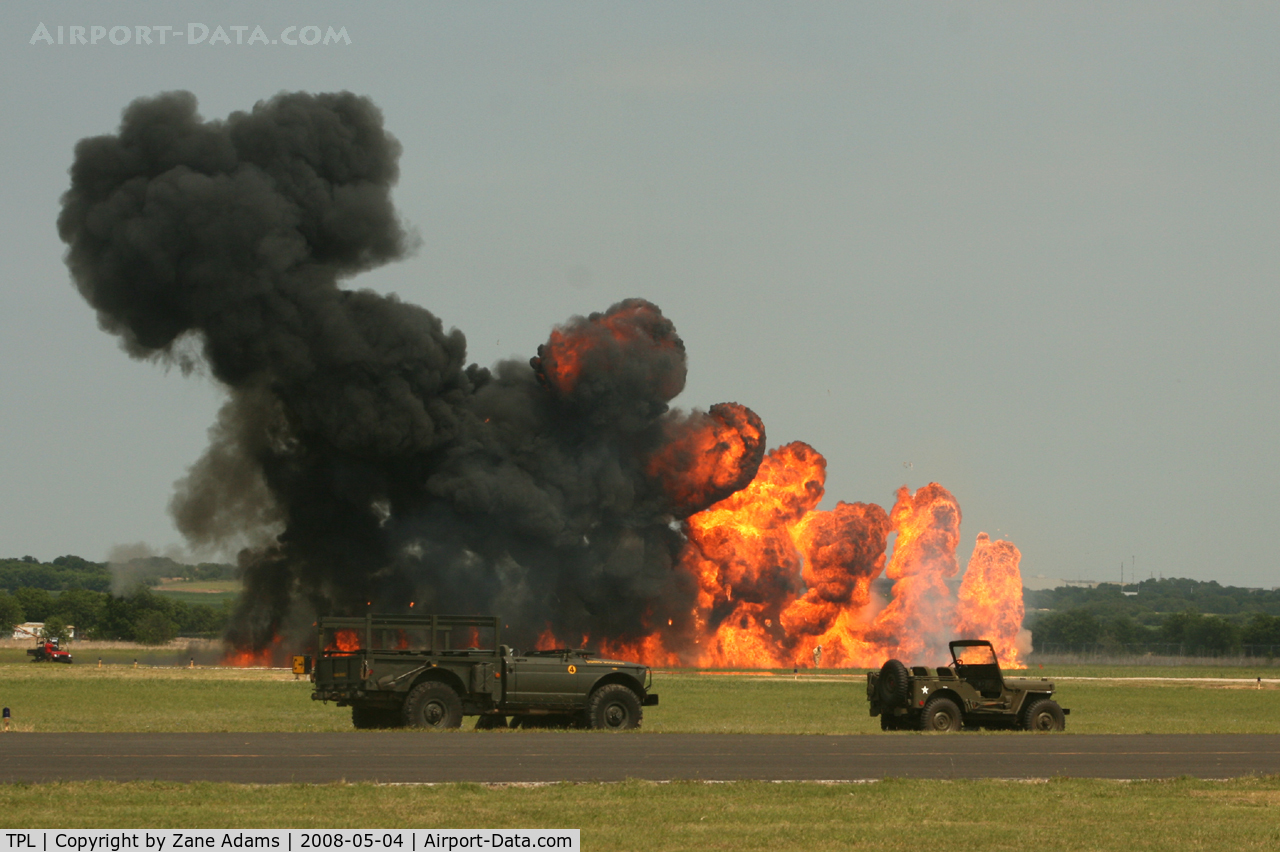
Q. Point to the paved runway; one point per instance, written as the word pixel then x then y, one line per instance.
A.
pixel 495 757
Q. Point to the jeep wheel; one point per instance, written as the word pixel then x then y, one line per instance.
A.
pixel 1044 715
pixel 433 705
pixel 893 688
pixel 614 707
pixel 940 715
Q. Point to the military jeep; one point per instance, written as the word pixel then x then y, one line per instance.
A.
pixel 970 693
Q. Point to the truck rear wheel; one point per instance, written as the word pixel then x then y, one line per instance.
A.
pixel 615 708
pixel 433 705
pixel 939 715
pixel 1045 715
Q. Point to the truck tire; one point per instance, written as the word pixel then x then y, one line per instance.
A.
pixel 433 705
pixel 893 687
pixel 940 715
pixel 1044 715
pixel 614 707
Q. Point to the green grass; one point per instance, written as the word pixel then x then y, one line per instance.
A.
pixel 50 697
pixel 192 598
pixel 1253 669
pixel 1242 814
pixel 895 814
pixel 205 586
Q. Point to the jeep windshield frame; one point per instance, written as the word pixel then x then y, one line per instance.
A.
pixel 968 653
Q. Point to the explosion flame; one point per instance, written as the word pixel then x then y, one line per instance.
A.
pixel 360 462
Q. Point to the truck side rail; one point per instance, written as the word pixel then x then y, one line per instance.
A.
pixel 442 634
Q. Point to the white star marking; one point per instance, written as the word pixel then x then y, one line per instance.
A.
pixel 924 690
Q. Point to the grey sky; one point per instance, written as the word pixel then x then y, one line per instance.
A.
pixel 1027 249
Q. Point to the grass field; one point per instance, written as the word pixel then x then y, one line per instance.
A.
pixel 83 697
pixel 895 814
pixel 200 592
pixel 1060 814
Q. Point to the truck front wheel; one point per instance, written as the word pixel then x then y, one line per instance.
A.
pixel 614 707
pixel 433 705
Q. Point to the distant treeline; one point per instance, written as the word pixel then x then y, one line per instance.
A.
pixel 142 616
pixel 1173 616
pixel 1158 596
pixel 73 572
pixel 74 591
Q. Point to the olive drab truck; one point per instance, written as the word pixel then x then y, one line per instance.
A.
pixel 430 671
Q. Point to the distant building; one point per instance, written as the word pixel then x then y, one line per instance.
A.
pixel 33 630
pixel 29 630
pixel 1040 583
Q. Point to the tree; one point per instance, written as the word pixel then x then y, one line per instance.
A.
pixel 1262 629
pixel 1177 627
pixel 55 628
pixel 10 614
pixel 36 603
pixel 1213 634
pixel 154 628
pixel 1073 627
pixel 81 608
pixel 1126 631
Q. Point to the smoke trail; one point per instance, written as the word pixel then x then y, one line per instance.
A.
pixel 359 458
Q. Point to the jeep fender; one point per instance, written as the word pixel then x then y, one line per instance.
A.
pixel 945 692
pixel 1027 698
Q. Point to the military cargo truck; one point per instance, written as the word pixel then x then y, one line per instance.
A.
pixel 430 671
pixel 970 693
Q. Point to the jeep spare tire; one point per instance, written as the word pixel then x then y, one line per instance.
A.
pixel 893 688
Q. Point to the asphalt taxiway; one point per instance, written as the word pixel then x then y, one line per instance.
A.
pixel 529 756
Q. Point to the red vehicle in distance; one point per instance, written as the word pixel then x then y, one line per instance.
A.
pixel 49 652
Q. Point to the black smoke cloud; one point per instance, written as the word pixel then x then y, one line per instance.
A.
pixel 362 458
